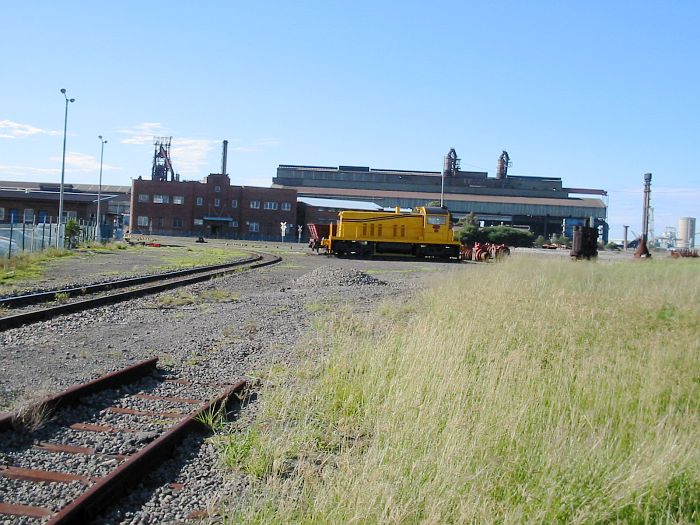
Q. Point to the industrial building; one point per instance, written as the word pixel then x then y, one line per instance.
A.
pixel 165 205
pixel 540 204
pixel 38 202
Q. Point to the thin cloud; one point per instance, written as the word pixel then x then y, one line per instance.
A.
pixel 22 171
pixel 190 155
pixel 142 133
pixel 257 146
pixel 81 163
pixel 16 130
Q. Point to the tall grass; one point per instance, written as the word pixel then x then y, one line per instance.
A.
pixel 532 391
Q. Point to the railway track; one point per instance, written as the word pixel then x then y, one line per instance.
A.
pixel 109 293
pixel 65 459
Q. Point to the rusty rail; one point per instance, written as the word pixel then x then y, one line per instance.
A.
pixel 11 321
pixel 111 486
pixel 73 394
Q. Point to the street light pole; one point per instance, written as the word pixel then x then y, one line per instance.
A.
pixel 63 167
pixel 98 237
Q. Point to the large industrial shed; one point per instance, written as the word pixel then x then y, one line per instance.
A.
pixel 541 204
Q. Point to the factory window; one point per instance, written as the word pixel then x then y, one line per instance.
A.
pixel 178 199
pixel 143 197
pixel 255 204
pixel 177 222
pixel 253 227
pixel 234 224
pixel 14 215
pixel 2 214
pixel 217 203
pixel 160 222
pixel 28 215
pixel 43 216
pixel 270 205
pixel 437 219
pixel 161 199
pixel 199 222
pixel 234 203
pixel 217 189
pixel 200 201
pixel 286 206
pixel 142 220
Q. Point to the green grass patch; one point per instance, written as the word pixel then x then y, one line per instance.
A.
pixel 26 266
pixel 533 391
pixel 176 258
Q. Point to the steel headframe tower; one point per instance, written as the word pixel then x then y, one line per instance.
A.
pixel 162 164
pixel 642 250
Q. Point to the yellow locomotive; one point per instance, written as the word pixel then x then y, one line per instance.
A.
pixel 426 232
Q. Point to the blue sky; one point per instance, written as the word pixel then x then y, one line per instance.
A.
pixel 597 93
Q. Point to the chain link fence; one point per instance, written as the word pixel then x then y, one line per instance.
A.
pixel 16 238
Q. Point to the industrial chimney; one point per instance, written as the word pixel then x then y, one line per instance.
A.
pixel 503 164
pixel 223 157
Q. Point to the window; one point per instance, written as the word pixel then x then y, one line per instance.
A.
pixel 161 199
pixel 437 219
pixel 200 201
pixel 270 205
pixel 234 224
pixel 199 222
pixel 286 206
pixel 28 215
pixel 217 189
pixel 255 204
pixel 2 214
pixel 177 222
pixel 217 203
pixel 142 220
pixel 234 203
pixel 178 199
pixel 43 216
pixel 14 215
pixel 144 197
pixel 254 226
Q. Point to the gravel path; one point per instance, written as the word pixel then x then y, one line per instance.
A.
pixel 216 331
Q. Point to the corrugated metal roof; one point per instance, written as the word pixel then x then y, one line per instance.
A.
pixel 340 204
pixel 533 201
pixel 29 194
pixel 112 188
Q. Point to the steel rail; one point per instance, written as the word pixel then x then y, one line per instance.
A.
pixel 11 321
pixel 50 295
pixel 135 467
pixel 74 393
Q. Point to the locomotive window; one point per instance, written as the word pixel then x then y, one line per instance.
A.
pixel 364 230
pixel 371 230
pixel 403 231
pixel 379 230
pixel 394 230
pixel 437 219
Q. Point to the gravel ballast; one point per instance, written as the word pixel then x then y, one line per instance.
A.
pixel 253 320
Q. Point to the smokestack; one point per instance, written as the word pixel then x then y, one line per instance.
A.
pixel 642 250
pixel 503 164
pixel 223 158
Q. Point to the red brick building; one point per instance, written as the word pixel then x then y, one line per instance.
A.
pixel 211 208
